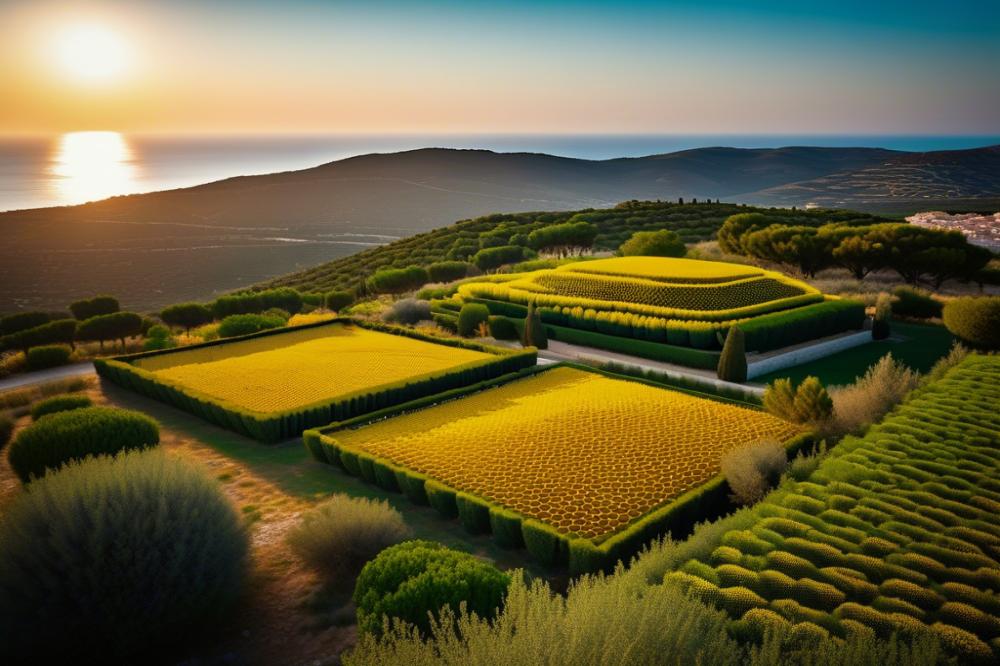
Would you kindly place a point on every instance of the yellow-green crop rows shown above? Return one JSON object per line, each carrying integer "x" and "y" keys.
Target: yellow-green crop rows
{"x": 897, "y": 531}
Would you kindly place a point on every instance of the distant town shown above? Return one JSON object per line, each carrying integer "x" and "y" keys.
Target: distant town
{"x": 981, "y": 230}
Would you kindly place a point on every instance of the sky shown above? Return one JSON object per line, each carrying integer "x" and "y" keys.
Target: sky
{"x": 726, "y": 66}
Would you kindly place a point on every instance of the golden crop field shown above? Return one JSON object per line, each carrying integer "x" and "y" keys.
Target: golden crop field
{"x": 280, "y": 372}
{"x": 582, "y": 452}
{"x": 666, "y": 269}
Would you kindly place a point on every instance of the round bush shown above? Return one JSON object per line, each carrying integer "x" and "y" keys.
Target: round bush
{"x": 408, "y": 311}
{"x": 59, "y": 403}
{"x": 65, "y": 436}
{"x": 48, "y": 356}
{"x": 245, "y": 324}
{"x": 470, "y": 317}
{"x": 412, "y": 579}
{"x": 975, "y": 320}
{"x": 111, "y": 557}
{"x": 340, "y": 535}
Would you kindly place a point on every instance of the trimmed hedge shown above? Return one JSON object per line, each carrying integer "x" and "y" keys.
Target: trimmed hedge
{"x": 692, "y": 358}
{"x": 59, "y": 403}
{"x": 976, "y": 321}
{"x": 48, "y": 356}
{"x": 511, "y": 529}
{"x": 244, "y": 324}
{"x": 58, "y": 331}
{"x": 502, "y": 328}
{"x": 53, "y": 441}
{"x": 470, "y": 317}
{"x": 791, "y": 327}
{"x": 275, "y": 426}
{"x": 915, "y": 303}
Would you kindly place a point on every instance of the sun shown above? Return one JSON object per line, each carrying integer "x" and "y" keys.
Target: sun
{"x": 91, "y": 53}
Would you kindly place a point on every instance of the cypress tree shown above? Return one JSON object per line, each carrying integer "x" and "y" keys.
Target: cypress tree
{"x": 534, "y": 331}
{"x": 733, "y": 360}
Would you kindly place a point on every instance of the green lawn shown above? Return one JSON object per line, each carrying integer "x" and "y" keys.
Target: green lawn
{"x": 916, "y": 345}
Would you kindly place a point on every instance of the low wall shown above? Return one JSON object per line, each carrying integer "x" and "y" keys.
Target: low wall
{"x": 806, "y": 353}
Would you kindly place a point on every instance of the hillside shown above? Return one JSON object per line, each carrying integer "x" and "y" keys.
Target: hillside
{"x": 157, "y": 248}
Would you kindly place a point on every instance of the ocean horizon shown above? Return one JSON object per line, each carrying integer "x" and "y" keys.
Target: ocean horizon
{"x": 77, "y": 167}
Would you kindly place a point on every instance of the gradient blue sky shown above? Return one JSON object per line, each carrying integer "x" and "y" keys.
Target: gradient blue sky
{"x": 674, "y": 67}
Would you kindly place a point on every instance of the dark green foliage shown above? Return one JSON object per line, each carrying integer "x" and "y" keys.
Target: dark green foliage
{"x": 809, "y": 403}
{"x": 22, "y": 321}
{"x": 448, "y": 271}
{"x": 473, "y": 513}
{"x": 48, "y": 356}
{"x": 244, "y": 324}
{"x": 807, "y": 248}
{"x": 470, "y": 317}
{"x": 790, "y": 327}
{"x": 337, "y": 300}
{"x": 442, "y": 499}
{"x": 976, "y": 321}
{"x": 662, "y": 243}
{"x": 881, "y": 322}
{"x": 915, "y": 303}
{"x": 544, "y": 543}
{"x": 564, "y": 239}
{"x": 495, "y": 257}
{"x": 6, "y": 429}
{"x": 250, "y": 302}
{"x": 114, "y": 560}
{"x": 59, "y": 403}
{"x": 502, "y": 328}
{"x": 398, "y": 280}
{"x": 415, "y": 579}
{"x": 114, "y": 326}
{"x": 506, "y": 528}
{"x": 694, "y": 358}
{"x": 187, "y": 315}
{"x": 733, "y": 360}
{"x": 53, "y": 441}
{"x": 58, "y": 331}
{"x": 94, "y": 307}
{"x": 408, "y": 311}
{"x": 158, "y": 337}
{"x": 534, "y": 331}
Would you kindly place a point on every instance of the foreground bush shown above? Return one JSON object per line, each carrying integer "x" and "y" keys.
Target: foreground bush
{"x": 91, "y": 431}
{"x": 415, "y": 579}
{"x": 752, "y": 470}
{"x": 48, "y": 356}
{"x": 340, "y": 535}
{"x": 245, "y": 324}
{"x": 868, "y": 399}
{"x": 809, "y": 403}
{"x": 59, "y": 403}
{"x": 88, "y": 574}
{"x": 975, "y": 320}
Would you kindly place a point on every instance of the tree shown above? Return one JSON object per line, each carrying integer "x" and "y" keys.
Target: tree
{"x": 733, "y": 360}
{"x": 114, "y": 326}
{"x": 186, "y": 315}
{"x": 60, "y": 330}
{"x": 564, "y": 239}
{"x": 448, "y": 271}
{"x": 801, "y": 246}
{"x": 92, "y": 307}
{"x": 779, "y": 399}
{"x": 337, "y": 300}
{"x": 534, "y": 330}
{"x": 861, "y": 254}
{"x": 662, "y": 243}
{"x": 731, "y": 232}
{"x": 495, "y": 257}
{"x": 22, "y": 321}
{"x": 398, "y": 280}
{"x": 812, "y": 403}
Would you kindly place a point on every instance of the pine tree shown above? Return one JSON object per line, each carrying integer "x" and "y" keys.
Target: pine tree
{"x": 812, "y": 403}
{"x": 779, "y": 399}
{"x": 733, "y": 360}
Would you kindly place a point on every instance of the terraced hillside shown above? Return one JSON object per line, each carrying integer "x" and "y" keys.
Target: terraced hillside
{"x": 897, "y": 531}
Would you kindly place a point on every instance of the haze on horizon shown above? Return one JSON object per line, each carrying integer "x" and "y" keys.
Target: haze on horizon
{"x": 675, "y": 67}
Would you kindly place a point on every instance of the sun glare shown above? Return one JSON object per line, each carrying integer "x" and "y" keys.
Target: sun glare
{"x": 91, "y": 52}
{"x": 92, "y": 165}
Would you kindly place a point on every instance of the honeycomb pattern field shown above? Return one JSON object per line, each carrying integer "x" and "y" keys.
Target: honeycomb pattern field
{"x": 582, "y": 452}
{"x": 280, "y": 372}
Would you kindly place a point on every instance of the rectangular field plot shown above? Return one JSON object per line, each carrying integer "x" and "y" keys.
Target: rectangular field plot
{"x": 308, "y": 375}
{"x": 582, "y": 453}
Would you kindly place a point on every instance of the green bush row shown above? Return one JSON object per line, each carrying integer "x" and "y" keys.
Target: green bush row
{"x": 692, "y": 358}
{"x": 791, "y": 327}
{"x": 275, "y": 426}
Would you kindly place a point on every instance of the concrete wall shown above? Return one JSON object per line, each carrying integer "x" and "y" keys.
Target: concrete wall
{"x": 806, "y": 354}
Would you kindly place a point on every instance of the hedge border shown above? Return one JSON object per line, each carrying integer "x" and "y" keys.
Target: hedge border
{"x": 279, "y": 425}
{"x": 511, "y": 529}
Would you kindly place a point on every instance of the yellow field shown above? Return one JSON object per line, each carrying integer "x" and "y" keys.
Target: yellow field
{"x": 582, "y": 452}
{"x": 280, "y": 372}
{"x": 665, "y": 269}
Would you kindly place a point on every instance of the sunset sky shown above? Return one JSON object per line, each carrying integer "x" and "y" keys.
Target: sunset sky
{"x": 673, "y": 67}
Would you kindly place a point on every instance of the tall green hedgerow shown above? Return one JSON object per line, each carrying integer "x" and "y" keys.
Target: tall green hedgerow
{"x": 114, "y": 558}
{"x": 414, "y": 580}
{"x": 59, "y": 403}
{"x": 340, "y": 535}
{"x": 59, "y": 438}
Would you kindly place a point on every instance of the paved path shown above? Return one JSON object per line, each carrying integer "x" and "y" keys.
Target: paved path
{"x": 42, "y": 376}
{"x": 562, "y": 351}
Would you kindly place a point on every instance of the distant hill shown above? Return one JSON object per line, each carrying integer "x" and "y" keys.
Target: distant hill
{"x": 154, "y": 249}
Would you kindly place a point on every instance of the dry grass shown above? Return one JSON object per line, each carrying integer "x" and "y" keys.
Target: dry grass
{"x": 867, "y": 400}
{"x": 751, "y": 470}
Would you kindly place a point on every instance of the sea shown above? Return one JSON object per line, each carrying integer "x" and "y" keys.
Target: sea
{"x": 77, "y": 167}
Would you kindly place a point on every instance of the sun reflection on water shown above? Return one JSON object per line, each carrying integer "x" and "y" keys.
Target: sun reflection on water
{"x": 92, "y": 165}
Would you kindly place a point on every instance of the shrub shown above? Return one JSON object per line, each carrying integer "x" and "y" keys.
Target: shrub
{"x": 337, "y": 300}
{"x": 187, "y": 315}
{"x": 662, "y": 243}
{"x": 868, "y": 399}
{"x": 245, "y": 324}
{"x": 812, "y": 403}
{"x": 751, "y": 470}
{"x": 48, "y": 356}
{"x": 881, "y": 327}
{"x": 448, "y": 271}
{"x": 158, "y": 337}
{"x": 408, "y": 311}
{"x": 534, "y": 331}
{"x": 6, "y": 429}
{"x": 340, "y": 535}
{"x": 915, "y": 303}
{"x": 71, "y": 435}
{"x": 470, "y": 317}
{"x": 502, "y": 328}
{"x": 59, "y": 403}
{"x": 94, "y": 307}
{"x": 397, "y": 280}
{"x": 733, "y": 360}
{"x": 88, "y": 574}
{"x": 494, "y": 257}
{"x": 411, "y": 580}
{"x": 976, "y": 321}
